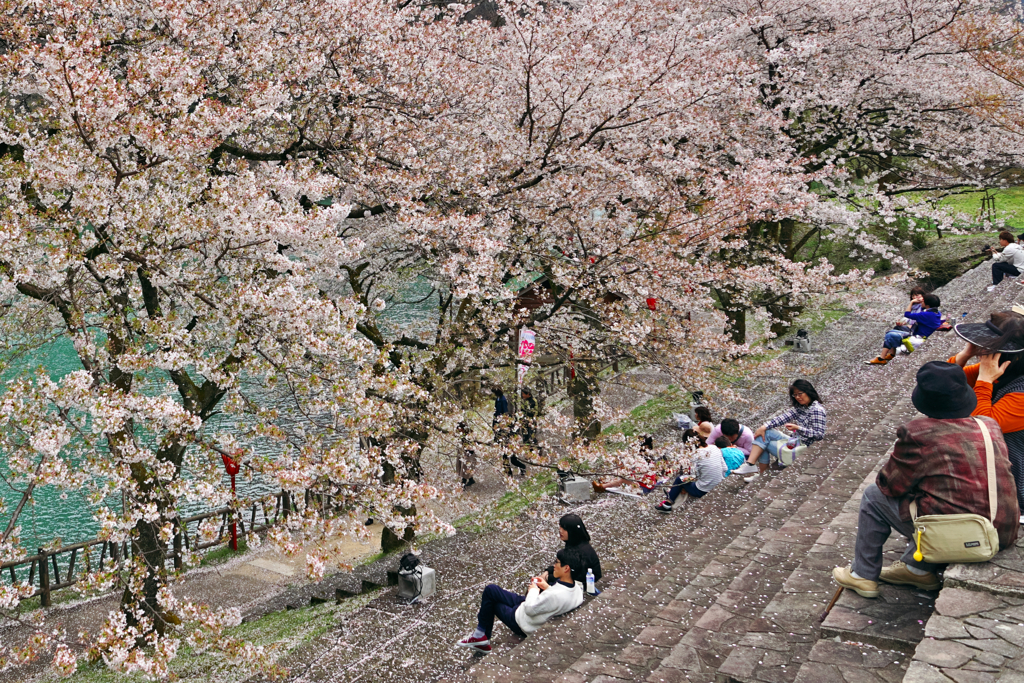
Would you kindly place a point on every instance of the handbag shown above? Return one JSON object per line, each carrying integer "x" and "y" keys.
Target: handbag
{"x": 942, "y": 539}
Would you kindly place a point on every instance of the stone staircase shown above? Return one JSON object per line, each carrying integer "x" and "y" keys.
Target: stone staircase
{"x": 728, "y": 588}
{"x": 739, "y": 596}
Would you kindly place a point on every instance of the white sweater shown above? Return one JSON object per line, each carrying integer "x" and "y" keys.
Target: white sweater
{"x": 542, "y": 605}
{"x": 1013, "y": 254}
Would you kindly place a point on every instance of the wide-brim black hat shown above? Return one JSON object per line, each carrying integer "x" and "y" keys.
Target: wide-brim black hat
{"x": 942, "y": 391}
{"x": 985, "y": 335}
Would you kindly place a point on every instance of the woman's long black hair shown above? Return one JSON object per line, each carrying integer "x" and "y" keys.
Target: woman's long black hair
{"x": 1012, "y": 325}
{"x": 573, "y": 525}
{"x": 806, "y": 387}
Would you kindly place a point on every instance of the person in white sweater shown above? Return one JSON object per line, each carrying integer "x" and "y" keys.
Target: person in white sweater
{"x": 1009, "y": 261}
{"x": 524, "y": 614}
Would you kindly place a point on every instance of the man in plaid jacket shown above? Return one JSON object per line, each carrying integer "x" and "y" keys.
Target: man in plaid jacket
{"x": 939, "y": 461}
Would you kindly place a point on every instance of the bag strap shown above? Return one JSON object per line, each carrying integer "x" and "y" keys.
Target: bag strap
{"x": 990, "y": 465}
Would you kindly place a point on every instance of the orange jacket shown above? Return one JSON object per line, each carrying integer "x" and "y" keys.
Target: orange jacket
{"x": 1008, "y": 411}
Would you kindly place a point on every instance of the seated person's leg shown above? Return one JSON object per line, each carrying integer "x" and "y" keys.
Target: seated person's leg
{"x": 496, "y": 602}
{"x": 677, "y": 488}
{"x": 763, "y": 448}
{"x": 873, "y": 530}
{"x": 893, "y": 340}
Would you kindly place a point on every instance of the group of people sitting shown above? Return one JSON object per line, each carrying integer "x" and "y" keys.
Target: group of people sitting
{"x": 939, "y": 462}
{"x": 920, "y": 320}
{"x": 730, "y": 447}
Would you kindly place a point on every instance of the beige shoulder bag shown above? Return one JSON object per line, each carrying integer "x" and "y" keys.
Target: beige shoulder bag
{"x": 942, "y": 539}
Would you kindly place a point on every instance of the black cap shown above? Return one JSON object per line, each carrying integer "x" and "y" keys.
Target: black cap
{"x": 985, "y": 335}
{"x": 942, "y": 391}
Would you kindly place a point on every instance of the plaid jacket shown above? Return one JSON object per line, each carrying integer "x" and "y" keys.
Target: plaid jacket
{"x": 811, "y": 420}
{"x": 941, "y": 463}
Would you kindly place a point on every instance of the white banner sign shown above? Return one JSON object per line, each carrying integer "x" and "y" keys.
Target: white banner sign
{"x": 527, "y": 343}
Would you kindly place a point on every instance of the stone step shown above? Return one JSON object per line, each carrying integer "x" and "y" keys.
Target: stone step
{"x": 895, "y": 620}
{"x": 689, "y": 636}
{"x": 974, "y": 635}
{"x": 778, "y": 647}
{"x": 833, "y": 661}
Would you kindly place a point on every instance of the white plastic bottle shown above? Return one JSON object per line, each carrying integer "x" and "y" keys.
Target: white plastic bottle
{"x": 590, "y": 580}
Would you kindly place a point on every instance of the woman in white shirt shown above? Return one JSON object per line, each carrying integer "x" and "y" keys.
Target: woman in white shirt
{"x": 1009, "y": 261}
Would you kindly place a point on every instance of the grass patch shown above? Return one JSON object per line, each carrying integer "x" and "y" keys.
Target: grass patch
{"x": 1009, "y": 205}
{"x": 529, "y": 491}
{"x": 652, "y": 414}
{"x": 223, "y": 554}
{"x": 282, "y": 632}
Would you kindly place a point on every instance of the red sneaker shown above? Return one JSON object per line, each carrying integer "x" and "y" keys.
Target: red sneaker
{"x": 481, "y": 644}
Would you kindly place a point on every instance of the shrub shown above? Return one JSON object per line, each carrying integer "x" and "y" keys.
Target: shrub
{"x": 940, "y": 269}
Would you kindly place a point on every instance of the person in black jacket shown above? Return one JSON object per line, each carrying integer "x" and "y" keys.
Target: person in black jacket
{"x": 572, "y": 530}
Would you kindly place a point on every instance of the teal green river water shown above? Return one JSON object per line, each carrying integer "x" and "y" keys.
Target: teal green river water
{"x": 68, "y": 515}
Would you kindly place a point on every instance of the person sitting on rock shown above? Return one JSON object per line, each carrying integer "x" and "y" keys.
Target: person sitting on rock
{"x": 998, "y": 380}
{"x": 939, "y": 462}
{"x": 739, "y": 435}
{"x": 707, "y": 470}
{"x": 1008, "y": 261}
{"x": 806, "y": 421}
{"x": 524, "y": 614}
{"x": 926, "y": 321}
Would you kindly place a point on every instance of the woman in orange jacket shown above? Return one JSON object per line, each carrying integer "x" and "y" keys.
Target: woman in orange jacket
{"x": 998, "y": 380}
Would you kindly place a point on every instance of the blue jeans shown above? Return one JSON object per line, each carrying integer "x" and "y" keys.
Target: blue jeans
{"x": 498, "y": 602}
{"x": 678, "y": 487}
{"x": 894, "y": 339}
{"x": 772, "y": 442}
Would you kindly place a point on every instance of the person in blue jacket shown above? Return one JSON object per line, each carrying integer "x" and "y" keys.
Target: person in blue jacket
{"x": 926, "y": 321}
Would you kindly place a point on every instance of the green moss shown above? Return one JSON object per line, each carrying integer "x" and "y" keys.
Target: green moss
{"x": 222, "y": 554}
{"x": 529, "y": 491}
{"x": 280, "y": 632}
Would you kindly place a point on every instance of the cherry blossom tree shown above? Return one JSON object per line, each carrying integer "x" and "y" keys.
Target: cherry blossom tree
{"x": 872, "y": 96}
{"x": 225, "y": 206}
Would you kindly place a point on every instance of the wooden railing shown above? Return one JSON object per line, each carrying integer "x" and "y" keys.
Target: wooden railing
{"x": 88, "y": 556}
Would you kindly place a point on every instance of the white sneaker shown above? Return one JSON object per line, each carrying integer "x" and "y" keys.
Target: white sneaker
{"x": 991, "y": 288}
{"x": 746, "y": 468}
{"x": 751, "y": 478}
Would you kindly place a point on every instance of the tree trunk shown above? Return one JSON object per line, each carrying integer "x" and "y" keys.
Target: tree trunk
{"x": 737, "y": 315}
{"x": 784, "y": 315}
{"x": 389, "y": 540}
{"x": 147, "y": 548}
{"x": 582, "y": 389}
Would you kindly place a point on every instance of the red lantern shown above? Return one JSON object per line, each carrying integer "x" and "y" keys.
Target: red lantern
{"x": 652, "y": 303}
{"x": 232, "y": 468}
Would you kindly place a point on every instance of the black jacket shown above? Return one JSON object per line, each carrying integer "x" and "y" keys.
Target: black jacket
{"x": 590, "y": 558}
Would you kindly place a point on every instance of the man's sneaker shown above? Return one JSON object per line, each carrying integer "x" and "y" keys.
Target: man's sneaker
{"x": 991, "y": 288}
{"x": 746, "y": 468}
{"x": 481, "y": 644}
{"x": 908, "y": 346}
{"x": 751, "y": 478}
{"x": 898, "y": 575}
{"x": 877, "y": 360}
{"x": 664, "y": 506}
{"x": 862, "y": 587}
